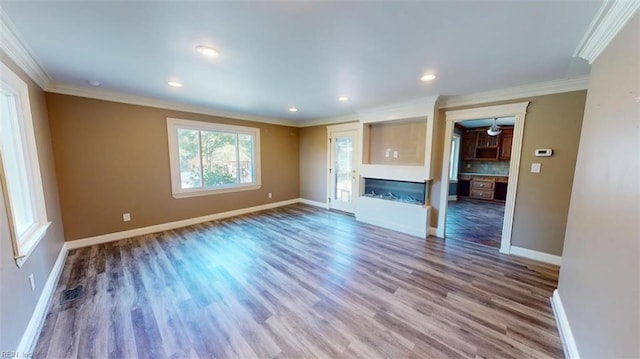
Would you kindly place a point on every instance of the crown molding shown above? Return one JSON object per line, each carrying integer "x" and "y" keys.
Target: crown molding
{"x": 329, "y": 120}
{"x": 420, "y": 106}
{"x": 611, "y": 17}
{"x": 107, "y": 95}
{"x": 512, "y": 93}
{"x": 13, "y": 45}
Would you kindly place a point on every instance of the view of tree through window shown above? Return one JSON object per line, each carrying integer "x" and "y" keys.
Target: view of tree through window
{"x": 212, "y": 158}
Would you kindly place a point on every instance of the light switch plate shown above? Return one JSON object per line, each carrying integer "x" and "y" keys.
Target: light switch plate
{"x": 126, "y": 217}
{"x": 535, "y": 167}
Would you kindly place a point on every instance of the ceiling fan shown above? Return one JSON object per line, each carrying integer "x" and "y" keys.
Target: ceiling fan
{"x": 494, "y": 130}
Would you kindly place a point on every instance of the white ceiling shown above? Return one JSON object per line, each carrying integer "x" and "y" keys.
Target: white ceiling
{"x": 275, "y": 55}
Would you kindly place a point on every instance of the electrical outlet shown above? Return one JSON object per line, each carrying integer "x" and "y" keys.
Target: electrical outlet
{"x": 395, "y": 154}
{"x": 126, "y": 217}
{"x": 32, "y": 281}
{"x": 270, "y": 195}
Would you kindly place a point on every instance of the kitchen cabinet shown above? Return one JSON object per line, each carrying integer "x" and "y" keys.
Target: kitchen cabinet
{"x": 506, "y": 138}
{"x": 478, "y": 145}
{"x": 469, "y": 145}
{"x": 482, "y": 188}
{"x": 488, "y": 188}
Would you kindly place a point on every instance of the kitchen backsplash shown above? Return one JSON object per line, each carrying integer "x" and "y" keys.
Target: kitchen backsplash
{"x": 486, "y": 167}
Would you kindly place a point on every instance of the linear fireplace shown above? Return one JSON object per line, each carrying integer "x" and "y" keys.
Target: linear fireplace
{"x": 394, "y": 190}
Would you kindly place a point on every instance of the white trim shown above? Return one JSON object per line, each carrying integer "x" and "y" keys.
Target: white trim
{"x": 536, "y": 255}
{"x": 518, "y": 110}
{"x": 26, "y": 148}
{"x": 611, "y": 17}
{"x": 518, "y": 92}
{"x": 566, "y": 335}
{"x": 324, "y": 205}
{"x": 174, "y": 124}
{"x": 416, "y": 108}
{"x": 16, "y": 48}
{"x": 121, "y": 97}
{"x": 110, "y": 237}
{"x": 452, "y": 197}
{"x": 329, "y": 120}
{"x": 30, "y": 335}
{"x": 357, "y": 158}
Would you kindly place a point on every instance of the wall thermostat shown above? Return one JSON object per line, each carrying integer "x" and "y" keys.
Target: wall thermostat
{"x": 544, "y": 152}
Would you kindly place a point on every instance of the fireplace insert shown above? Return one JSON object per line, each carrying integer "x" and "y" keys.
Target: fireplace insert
{"x": 393, "y": 190}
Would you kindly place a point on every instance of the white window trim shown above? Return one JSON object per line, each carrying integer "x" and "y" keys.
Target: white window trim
{"x": 24, "y": 245}
{"x": 173, "y": 124}
{"x": 455, "y": 142}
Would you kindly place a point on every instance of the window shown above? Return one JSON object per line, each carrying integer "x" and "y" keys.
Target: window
{"x": 455, "y": 157}
{"x": 208, "y": 158}
{"x": 19, "y": 168}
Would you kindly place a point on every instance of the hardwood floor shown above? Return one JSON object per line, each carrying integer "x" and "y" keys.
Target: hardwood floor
{"x": 299, "y": 282}
{"x": 475, "y": 221}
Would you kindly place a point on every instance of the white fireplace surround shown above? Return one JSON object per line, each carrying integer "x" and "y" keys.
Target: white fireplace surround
{"x": 403, "y": 217}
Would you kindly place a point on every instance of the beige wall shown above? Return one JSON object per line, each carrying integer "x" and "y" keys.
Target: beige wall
{"x": 600, "y": 275}
{"x": 313, "y": 163}
{"x": 17, "y": 301}
{"x": 542, "y": 203}
{"x": 113, "y": 158}
{"x": 406, "y": 138}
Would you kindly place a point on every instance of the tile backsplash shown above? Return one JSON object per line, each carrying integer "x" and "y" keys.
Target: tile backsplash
{"x": 486, "y": 167}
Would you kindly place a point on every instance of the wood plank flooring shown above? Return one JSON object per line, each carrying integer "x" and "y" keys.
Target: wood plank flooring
{"x": 475, "y": 221}
{"x": 299, "y": 282}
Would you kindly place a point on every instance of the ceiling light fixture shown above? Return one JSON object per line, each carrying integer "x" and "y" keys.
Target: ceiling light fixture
{"x": 207, "y": 51}
{"x": 293, "y": 109}
{"x": 428, "y": 77}
{"x": 494, "y": 130}
{"x": 94, "y": 83}
{"x": 343, "y": 99}
{"x": 174, "y": 84}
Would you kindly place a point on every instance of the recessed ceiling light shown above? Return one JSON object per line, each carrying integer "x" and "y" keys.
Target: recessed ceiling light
{"x": 94, "y": 83}
{"x": 428, "y": 77}
{"x": 343, "y": 98}
{"x": 207, "y": 51}
{"x": 293, "y": 109}
{"x": 174, "y": 84}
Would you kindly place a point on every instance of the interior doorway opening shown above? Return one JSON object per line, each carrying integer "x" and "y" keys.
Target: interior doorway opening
{"x": 478, "y": 180}
{"x": 483, "y": 150}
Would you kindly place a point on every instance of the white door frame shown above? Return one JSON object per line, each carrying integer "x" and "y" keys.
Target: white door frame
{"x": 519, "y": 111}
{"x": 357, "y": 150}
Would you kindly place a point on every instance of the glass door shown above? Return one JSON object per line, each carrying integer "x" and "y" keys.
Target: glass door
{"x": 342, "y": 171}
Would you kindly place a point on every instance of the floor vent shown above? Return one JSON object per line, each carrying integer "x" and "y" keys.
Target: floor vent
{"x": 69, "y": 295}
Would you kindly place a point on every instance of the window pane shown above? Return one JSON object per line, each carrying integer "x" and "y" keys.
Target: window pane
{"x": 218, "y": 158}
{"x": 14, "y": 168}
{"x": 189, "y": 145}
{"x": 245, "y": 143}
{"x": 343, "y": 169}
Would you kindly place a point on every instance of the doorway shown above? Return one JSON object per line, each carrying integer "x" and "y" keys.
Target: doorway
{"x": 516, "y": 110}
{"x": 342, "y": 167}
{"x": 478, "y": 180}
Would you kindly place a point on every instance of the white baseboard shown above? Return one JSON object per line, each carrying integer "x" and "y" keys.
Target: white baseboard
{"x": 566, "y": 335}
{"x": 314, "y": 203}
{"x": 535, "y": 255}
{"x": 110, "y": 237}
{"x": 31, "y": 333}
{"x": 452, "y": 197}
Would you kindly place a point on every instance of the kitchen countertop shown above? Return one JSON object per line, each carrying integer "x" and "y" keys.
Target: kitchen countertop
{"x": 481, "y": 174}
